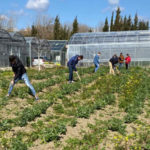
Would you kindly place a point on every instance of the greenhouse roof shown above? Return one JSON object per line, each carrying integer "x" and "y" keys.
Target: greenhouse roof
{"x": 32, "y": 40}
{"x": 110, "y": 37}
{"x": 57, "y": 45}
{"x": 44, "y": 44}
{"x": 17, "y": 37}
{"x": 5, "y": 36}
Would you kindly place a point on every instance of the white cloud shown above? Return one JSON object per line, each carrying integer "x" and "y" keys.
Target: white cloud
{"x": 115, "y": 8}
{"x": 113, "y": 2}
{"x": 17, "y": 12}
{"x": 38, "y": 5}
{"x": 110, "y": 8}
{"x": 4, "y": 17}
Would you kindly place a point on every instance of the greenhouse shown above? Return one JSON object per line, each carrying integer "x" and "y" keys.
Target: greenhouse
{"x": 135, "y": 43}
{"x": 18, "y": 46}
{"x": 11, "y": 44}
{"x": 5, "y": 47}
{"x": 44, "y": 48}
{"x": 36, "y": 47}
{"x": 58, "y": 51}
{"x": 32, "y": 48}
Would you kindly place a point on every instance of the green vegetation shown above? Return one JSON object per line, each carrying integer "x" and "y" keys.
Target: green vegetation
{"x": 101, "y": 111}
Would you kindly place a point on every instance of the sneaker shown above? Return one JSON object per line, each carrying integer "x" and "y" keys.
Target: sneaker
{"x": 36, "y": 98}
{"x": 7, "y": 95}
{"x": 72, "y": 81}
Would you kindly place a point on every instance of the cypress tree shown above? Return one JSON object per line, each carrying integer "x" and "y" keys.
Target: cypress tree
{"x": 33, "y": 31}
{"x": 106, "y": 26}
{"x": 125, "y": 25}
{"x": 112, "y": 22}
{"x": 135, "y": 26}
{"x": 147, "y": 25}
{"x": 90, "y": 30}
{"x": 56, "y": 28}
{"x": 129, "y": 23}
{"x": 117, "y": 26}
{"x": 75, "y": 26}
{"x": 121, "y": 24}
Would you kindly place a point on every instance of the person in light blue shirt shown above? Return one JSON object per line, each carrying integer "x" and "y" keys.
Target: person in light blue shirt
{"x": 97, "y": 61}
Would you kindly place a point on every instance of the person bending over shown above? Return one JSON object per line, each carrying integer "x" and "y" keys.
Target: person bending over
{"x": 72, "y": 65}
{"x": 112, "y": 64}
{"x": 19, "y": 74}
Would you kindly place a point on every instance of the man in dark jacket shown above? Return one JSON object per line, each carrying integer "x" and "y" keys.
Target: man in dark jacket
{"x": 96, "y": 61}
{"x": 112, "y": 64}
{"x": 72, "y": 66}
{"x": 19, "y": 74}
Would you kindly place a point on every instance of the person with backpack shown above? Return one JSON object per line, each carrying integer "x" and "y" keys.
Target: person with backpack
{"x": 72, "y": 66}
{"x": 96, "y": 61}
{"x": 20, "y": 73}
{"x": 121, "y": 60}
{"x": 127, "y": 61}
{"x": 112, "y": 64}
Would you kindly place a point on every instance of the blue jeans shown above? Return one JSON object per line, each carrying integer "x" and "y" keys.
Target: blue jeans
{"x": 27, "y": 82}
{"x": 70, "y": 73}
{"x": 96, "y": 67}
{"x": 120, "y": 65}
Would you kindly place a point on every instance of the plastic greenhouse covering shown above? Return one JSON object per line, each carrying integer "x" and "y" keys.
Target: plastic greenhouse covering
{"x": 135, "y": 43}
{"x": 58, "y": 51}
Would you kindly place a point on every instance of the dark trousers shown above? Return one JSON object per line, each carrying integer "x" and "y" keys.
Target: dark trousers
{"x": 70, "y": 73}
{"x": 127, "y": 66}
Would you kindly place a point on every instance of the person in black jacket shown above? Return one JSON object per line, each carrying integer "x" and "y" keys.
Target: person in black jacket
{"x": 19, "y": 74}
{"x": 112, "y": 64}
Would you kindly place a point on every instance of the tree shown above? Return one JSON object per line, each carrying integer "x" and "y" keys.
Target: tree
{"x": 90, "y": 30}
{"x": 75, "y": 26}
{"x": 57, "y": 28}
{"x": 135, "y": 26}
{"x": 112, "y": 22}
{"x": 64, "y": 32}
{"x": 44, "y": 26}
{"x": 33, "y": 31}
{"x": 106, "y": 26}
{"x": 117, "y": 26}
{"x": 125, "y": 25}
{"x": 7, "y": 23}
{"x": 129, "y": 23}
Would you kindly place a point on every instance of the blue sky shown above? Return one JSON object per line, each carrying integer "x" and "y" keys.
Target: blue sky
{"x": 90, "y": 12}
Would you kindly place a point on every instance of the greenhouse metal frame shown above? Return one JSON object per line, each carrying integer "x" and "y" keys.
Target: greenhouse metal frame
{"x": 11, "y": 44}
{"x": 135, "y": 43}
{"x": 58, "y": 51}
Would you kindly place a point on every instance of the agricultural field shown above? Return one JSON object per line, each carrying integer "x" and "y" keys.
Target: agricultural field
{"x": 100, "y": 112}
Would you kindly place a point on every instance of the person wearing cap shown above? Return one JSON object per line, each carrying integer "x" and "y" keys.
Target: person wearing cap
{"x": 72, "y": 66}
{"x": 112, "y": 64}
{"x": 96, "y": 61}
{"x": 20, "y": 73}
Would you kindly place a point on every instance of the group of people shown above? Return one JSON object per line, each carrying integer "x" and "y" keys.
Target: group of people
{"x": 113, "y": 62}
{"x": 21, "y": 74}
{"x": 121, "y": 60}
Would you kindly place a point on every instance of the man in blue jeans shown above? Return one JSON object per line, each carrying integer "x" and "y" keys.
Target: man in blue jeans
{"x": 72, "y": 65}
{"x": 20, "y": 74}
{"x": 96, "y": 61}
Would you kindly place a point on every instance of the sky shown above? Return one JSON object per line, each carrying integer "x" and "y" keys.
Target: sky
{"x": 90, "y": 12}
